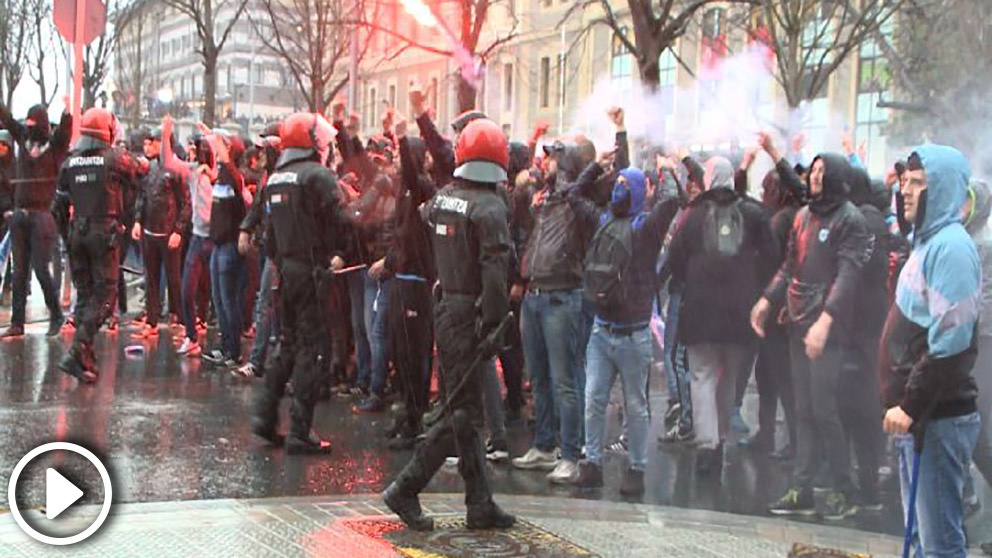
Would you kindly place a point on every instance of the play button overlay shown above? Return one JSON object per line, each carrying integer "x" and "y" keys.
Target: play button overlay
{"x": 61, "y": 494}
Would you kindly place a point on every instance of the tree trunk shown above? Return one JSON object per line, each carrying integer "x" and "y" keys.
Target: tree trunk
{"x": 466, "y": 94}
{"x": 89, "y": 97}
{"x": 316, "y": 94}
{"x": 650, "y": 74}
{"x": 209, "y": 115}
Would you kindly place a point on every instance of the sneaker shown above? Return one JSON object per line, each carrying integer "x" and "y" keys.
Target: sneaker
{"x": 633, "y": 482}
{"x": 536, "y": 459}
{"x": 869, "y": 503}
{"x": 189, "y": 348}
{"x": 497, "y": 451}
{"x": 838, "y": 506}
{"x": 672, "y": 414}
{"x": 15, "y": 331}
{"x": 590, "y": 475}
{"x": 972, "y": 505}
{"x": 215, "y": 357}
{"x": 794, "y": 502}
{"x": 619, "y": 447}
{"x": 678, "y": 434}
{"x": 373, "y": 404}
{"x": 146, "y": 332}
{"x": 246, "y": 371}
{"x": 737, "y": 423}
{"x": 564, "y": 472}
{"x": 760, "y": 442}
{"x": 232, "y": 363}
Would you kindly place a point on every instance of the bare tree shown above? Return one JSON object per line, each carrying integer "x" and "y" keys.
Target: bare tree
{"x": 464, "y": 45}
{"x": 44, "y": 48}
{"x": 656, "y": 26}
{"x": 941, "y": 65}
{"x": 313, "y": 37}
{"x": 16, "y": 36}
{"x": 131, "y": 72}
{"x": 812, "y": 38}
{"x": 97, "y": 55}
{"x": 213, "y": 33}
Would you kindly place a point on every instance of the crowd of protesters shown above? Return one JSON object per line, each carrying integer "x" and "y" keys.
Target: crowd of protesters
{"x": 858, "y": 304}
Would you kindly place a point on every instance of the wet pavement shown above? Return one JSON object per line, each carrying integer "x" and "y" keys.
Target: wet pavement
{"x": 174, "y": 429}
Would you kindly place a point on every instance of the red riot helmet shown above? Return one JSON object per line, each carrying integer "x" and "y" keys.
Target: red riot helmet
{"x": 481, "y": 152}
{"x": 99, "y": 123}
{"x": 305, "y": 131}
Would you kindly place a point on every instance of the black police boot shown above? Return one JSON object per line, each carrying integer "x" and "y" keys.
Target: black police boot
{"x": 265, "y": 417}
{"x": 407, "y": 507}
{"x": 488, "y": 516}
{"x": 300, "y": 440}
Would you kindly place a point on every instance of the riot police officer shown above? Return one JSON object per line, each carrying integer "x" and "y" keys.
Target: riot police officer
{"x": 303, "y": 238}
{"x": 91, "y": 181}
{"x": 471, "y": 239}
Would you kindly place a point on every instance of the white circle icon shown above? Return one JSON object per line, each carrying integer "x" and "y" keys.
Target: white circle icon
{"x": 50, "y": 496}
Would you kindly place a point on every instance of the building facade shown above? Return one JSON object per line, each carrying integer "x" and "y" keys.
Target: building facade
{"x": 560, "y": 70}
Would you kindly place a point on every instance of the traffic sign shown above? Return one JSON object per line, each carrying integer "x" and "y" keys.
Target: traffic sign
{"x": 94, "y": 19}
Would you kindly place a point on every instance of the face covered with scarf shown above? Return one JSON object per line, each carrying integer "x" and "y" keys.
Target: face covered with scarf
{"x": 629, "y": 193}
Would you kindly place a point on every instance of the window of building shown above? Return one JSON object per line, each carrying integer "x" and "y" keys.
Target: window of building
{"x": 667, "y": 67}
{"x": 621, "y": 64}
{"x": 259, "y": 74}
{"x": 874, "y": 80}
{"x": 508, "y": 87}
{"x": 714, "y": 37}
{"x": 392, "y": 96}
{"x": 545, "y": 90}
{"x": 373, "y": 105}
{"x": 560, "y": 76}
{"x": 818, "y": 36}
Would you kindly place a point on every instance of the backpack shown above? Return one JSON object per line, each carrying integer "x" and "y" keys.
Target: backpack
{"x": 607, "y": 263}
{"x": 723, "y": 229}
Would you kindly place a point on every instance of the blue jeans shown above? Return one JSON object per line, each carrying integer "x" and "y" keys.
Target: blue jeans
{"x": 225, "y": 280}
{"x": 377, "y": 299}
{"x": 264, "y": 314}
{"x": 197, "y": 263}
{"x": 676, "y": 373}
{"x": 944, "y": 463}
{"x": 356, "y": 289}
{"x": 607, "y": 356}
{"x": 550, "y": 325}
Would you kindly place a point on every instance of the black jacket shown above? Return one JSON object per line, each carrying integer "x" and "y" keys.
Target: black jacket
{"x": 41, "y": 155}
{"x": 828, "y": 247}
{"x": 163, "y": 205}
{"x": 647, "y": 238}
{"x": 93, "y": 180}
{"x": 411, "y": 252}
{"x": 227, "y": 206}
{"x": 304, "y": 221}
{"x": 719, "y": 290}
{"x": 472, "y": 246}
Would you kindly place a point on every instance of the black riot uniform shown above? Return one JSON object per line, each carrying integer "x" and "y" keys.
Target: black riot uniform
{"x": 471, "y": 241}
{"x": 302, "y": 236}
{"x": 91, "y": 181}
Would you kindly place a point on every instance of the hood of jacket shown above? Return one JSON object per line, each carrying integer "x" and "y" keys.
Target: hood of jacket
{"x": 836, "y": 175}
{"x": 719, "y": 173}
{"x": 42, "y": 128}
{"x": 8, "y": 140}
{"x": 948, "y": 174}
{"x": 629, "y": 193}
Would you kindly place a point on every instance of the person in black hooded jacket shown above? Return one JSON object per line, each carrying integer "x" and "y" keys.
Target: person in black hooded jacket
{"x": 410, "y": 260}
{"x": 860, "y": 399}
{"x": 32, "y": 227}
{"x": 828, "y": 248}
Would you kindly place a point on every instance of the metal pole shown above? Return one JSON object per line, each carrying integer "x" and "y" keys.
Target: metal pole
{"x": 353, "y": 71}
{"x": 561, "y": 84}
{"x": 77, "y": 86}
{"x": 251, "y": 88}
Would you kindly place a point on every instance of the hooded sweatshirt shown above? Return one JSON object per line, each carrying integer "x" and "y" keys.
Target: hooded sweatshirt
{"x": 828, "y": 246}
{"x": 41, "y": 154}
{"x": 719, "y": 289}
{"x": 930, "y": 341}
{"x": 648, "y": 235}
{"x": 411, "y": 252}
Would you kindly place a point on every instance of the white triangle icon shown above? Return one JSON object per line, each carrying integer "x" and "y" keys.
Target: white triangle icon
{"x": 59, "y": 493}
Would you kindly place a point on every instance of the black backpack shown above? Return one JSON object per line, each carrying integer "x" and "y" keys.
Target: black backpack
{"x": 608, "y": 261}
{"x": 723, "y": 229}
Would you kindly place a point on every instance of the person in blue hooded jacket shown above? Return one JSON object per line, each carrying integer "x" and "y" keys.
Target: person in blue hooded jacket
{"x": 929, "y": 347}
{"x": 620, "y": 343}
